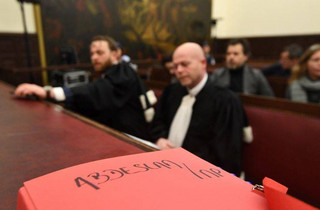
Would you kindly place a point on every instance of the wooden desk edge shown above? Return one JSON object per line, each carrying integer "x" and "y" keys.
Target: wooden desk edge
{"x": 102, "y": 127}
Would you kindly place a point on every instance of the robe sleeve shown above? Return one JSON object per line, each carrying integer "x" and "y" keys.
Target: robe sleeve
{"x": 160, "y": 127}
{"x": 226, "y": 144}
{"x": 101, "y": 95}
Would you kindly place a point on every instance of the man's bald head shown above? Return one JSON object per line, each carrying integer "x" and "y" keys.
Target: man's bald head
{"x": 192, "y": 49}
{"x": 190, "y": 63}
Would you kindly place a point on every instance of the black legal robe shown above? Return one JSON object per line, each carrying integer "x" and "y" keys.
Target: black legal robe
{"x": 215, "y": 130}
{"x": 112, "y": 100}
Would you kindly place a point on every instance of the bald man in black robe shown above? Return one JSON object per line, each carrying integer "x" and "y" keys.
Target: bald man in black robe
{"x": 214, "y": 132}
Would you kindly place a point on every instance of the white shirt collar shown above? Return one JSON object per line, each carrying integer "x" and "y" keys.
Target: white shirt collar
{"x": 194, "y": 91}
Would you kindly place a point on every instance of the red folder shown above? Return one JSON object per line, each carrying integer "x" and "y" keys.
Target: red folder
{"x": 169, "y": 179}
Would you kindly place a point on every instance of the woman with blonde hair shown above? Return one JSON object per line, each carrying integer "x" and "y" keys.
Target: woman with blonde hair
{"x": 304, "y": 84}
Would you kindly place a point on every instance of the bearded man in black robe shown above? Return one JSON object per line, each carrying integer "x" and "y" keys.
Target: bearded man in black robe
{"x": 213, "y": 130}
{"x": 112, "y": 99}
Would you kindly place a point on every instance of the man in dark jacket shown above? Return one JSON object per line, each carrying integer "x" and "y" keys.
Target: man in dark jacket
{"x": 237, "y": 75}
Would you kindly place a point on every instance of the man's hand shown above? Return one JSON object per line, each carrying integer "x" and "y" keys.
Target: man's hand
{"x": 24, "y": 90}
{"x": 163, "y": 143}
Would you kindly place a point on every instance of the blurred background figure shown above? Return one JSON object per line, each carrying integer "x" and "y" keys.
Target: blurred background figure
{"x": 237, "y": 75}
{"x": 125, "y": 58}
{"x": 207, "y": 49}
{"x": 289, "y": 57}
{"x": 168, "y": 64}
{"x": 121, "y": 56}
{"x": 305, "y": 80}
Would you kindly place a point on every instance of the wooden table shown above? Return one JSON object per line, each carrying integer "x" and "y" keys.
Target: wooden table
{"x": 38, "y": 137}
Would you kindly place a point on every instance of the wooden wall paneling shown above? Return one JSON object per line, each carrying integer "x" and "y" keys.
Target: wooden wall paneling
{"x": 13, "y": 50}
{"x": 13, "y": 55}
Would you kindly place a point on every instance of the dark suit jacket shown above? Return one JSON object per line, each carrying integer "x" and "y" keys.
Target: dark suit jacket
{"x": 215, "y": 131}
{"x": 253, "y": 81}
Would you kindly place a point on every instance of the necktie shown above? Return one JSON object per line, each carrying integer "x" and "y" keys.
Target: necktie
{"x": 181, "y": 121}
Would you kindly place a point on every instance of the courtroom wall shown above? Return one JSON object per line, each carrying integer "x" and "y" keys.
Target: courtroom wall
{"x": 256, "y": 18}
{"x": 12, "y": 39}
{"x": 11, "y": 17}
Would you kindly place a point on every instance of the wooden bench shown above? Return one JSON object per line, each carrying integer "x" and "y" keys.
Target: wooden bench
{"x": 144, "y": 73}
{"x": 260, "y": 64}
{"x": 279, "y": 85}
{"x": 160, "y": 74}
{"x": 145, "y": 63}
{"x": 286, "y": 145}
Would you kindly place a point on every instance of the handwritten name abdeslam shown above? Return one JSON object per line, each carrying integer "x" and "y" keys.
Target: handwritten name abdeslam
{"x": 98, "y": 178}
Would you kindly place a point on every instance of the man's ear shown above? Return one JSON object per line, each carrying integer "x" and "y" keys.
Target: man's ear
{"x": 204, "y": 63}
{"x": 114, "y": 56}
{"x": 247, "y": 58}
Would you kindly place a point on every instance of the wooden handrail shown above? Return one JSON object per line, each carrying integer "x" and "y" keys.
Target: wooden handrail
{"x": 308, "y": 109}
{"x": 49, "y": 68}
